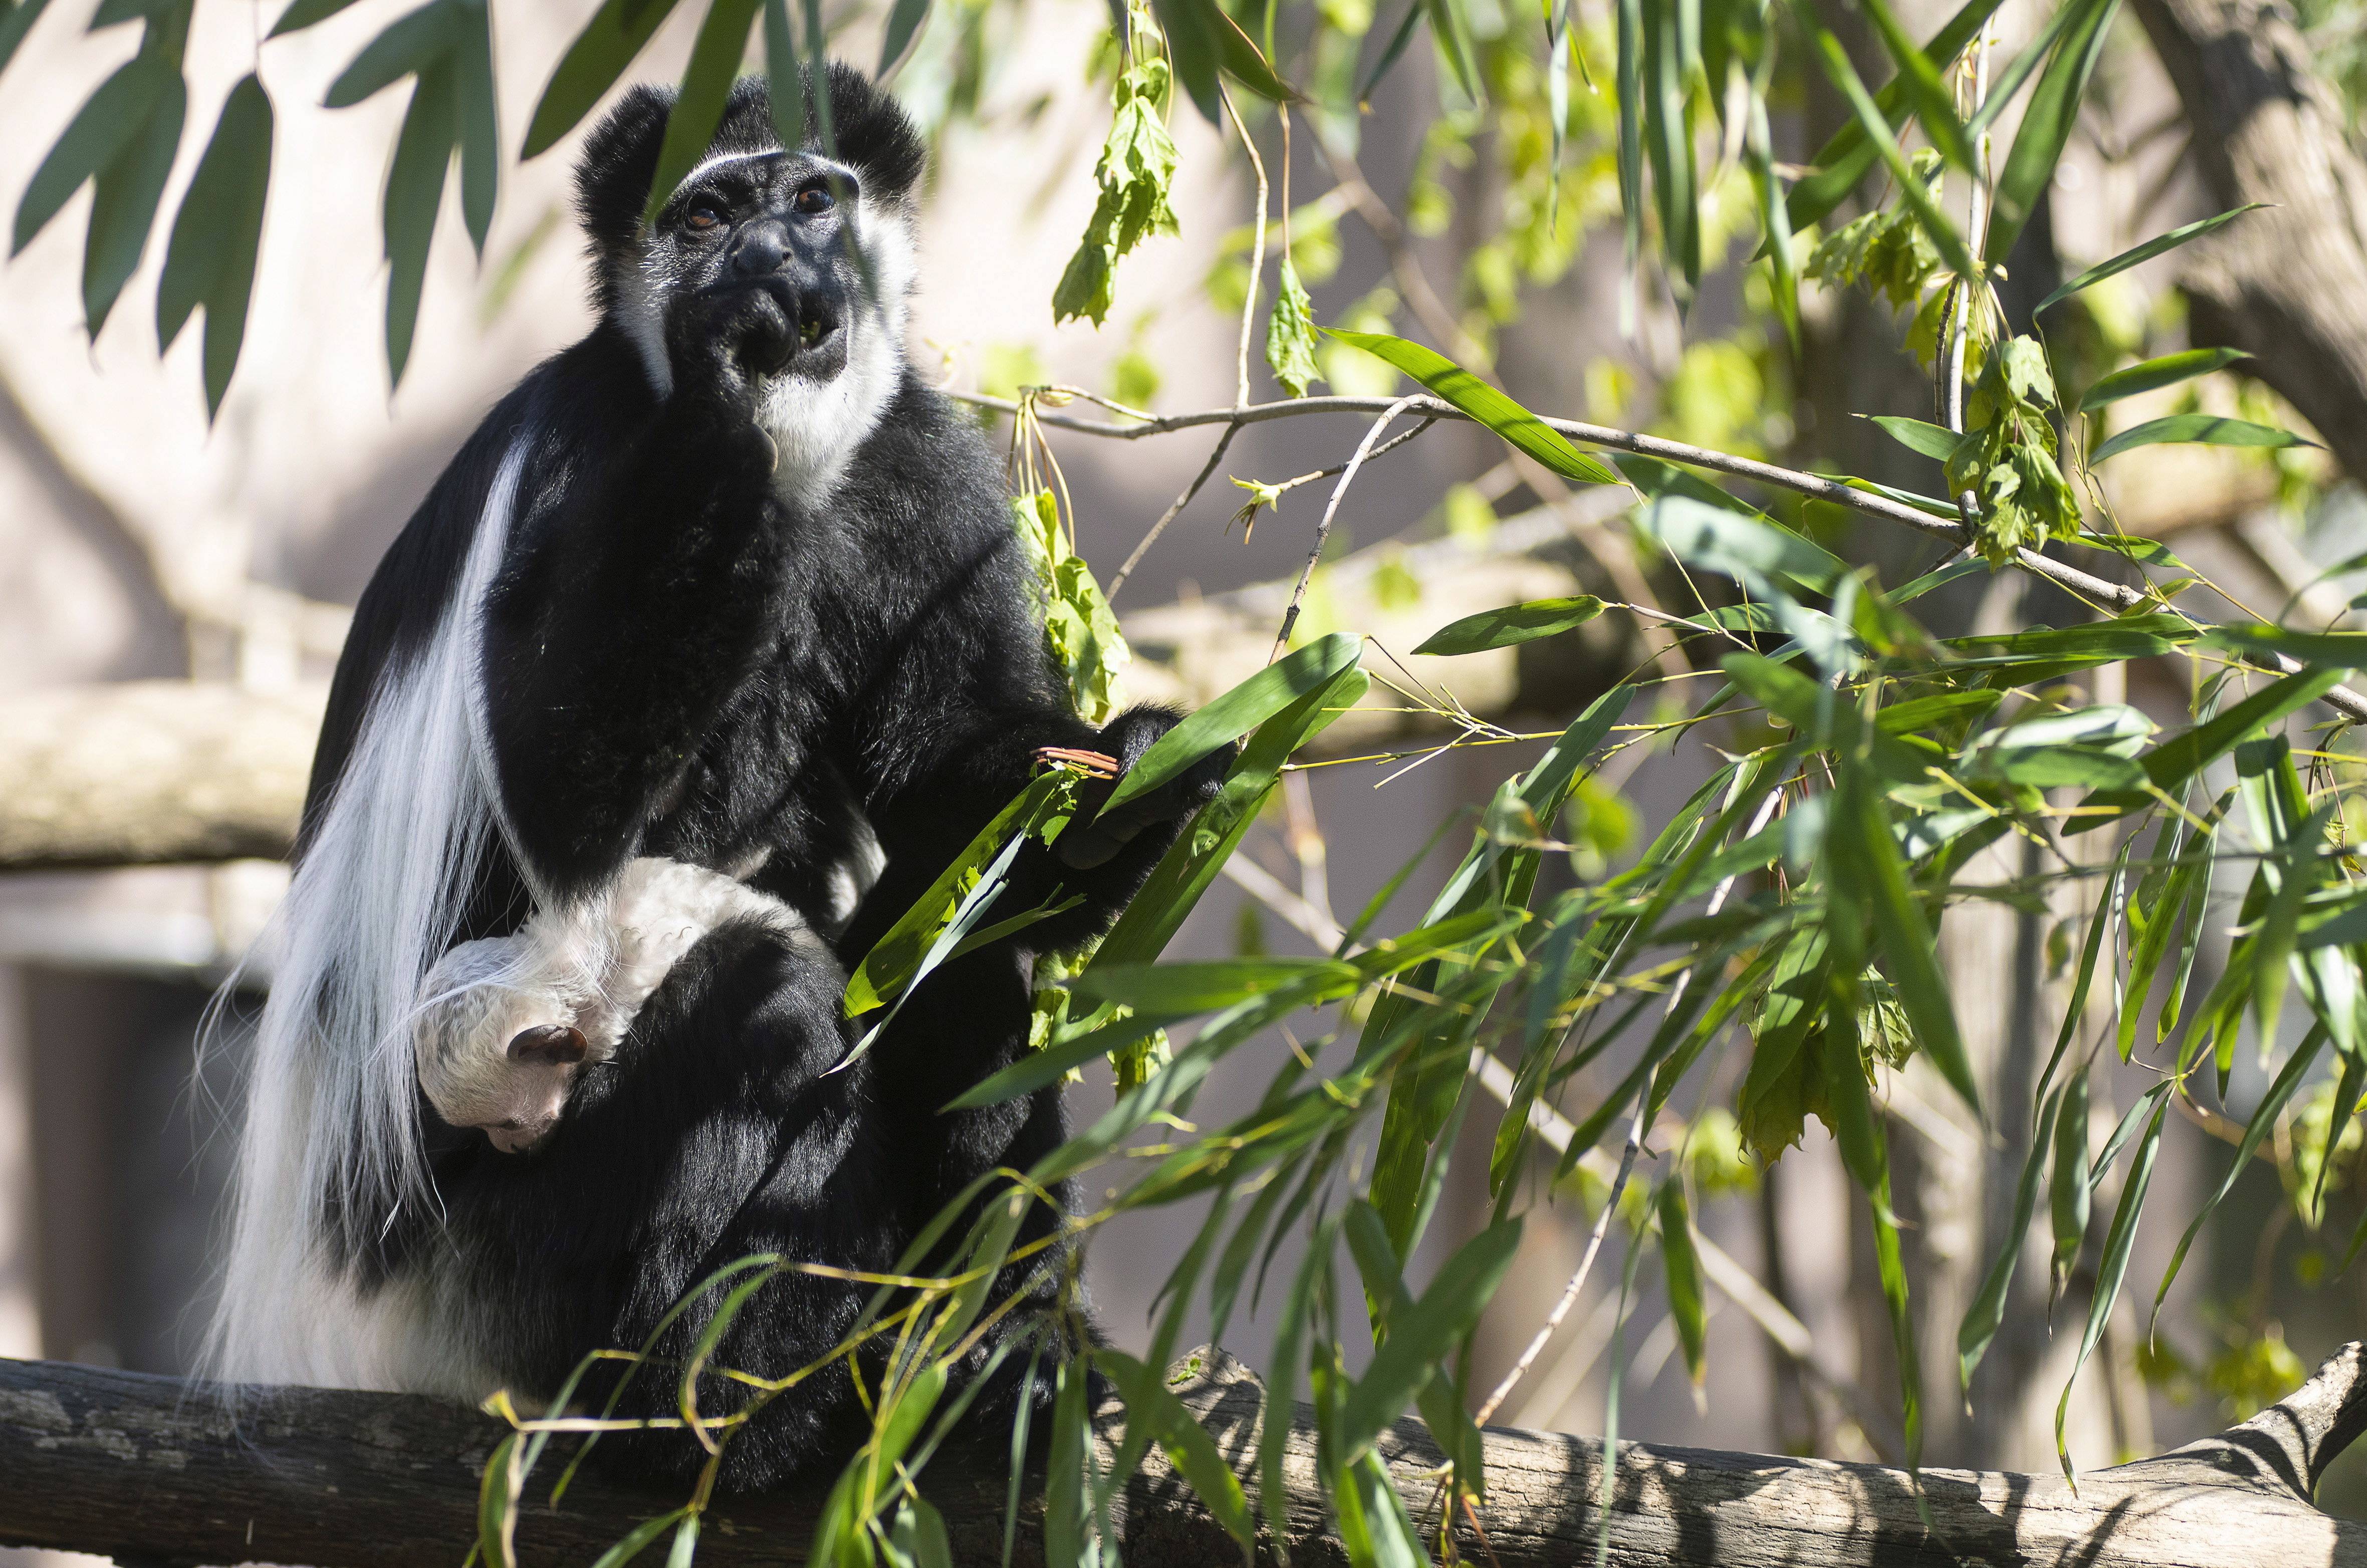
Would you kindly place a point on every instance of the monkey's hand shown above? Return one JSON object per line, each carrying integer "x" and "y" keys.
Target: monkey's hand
{"x": 1094, "y": 835}
{"x": 722, "y": 348}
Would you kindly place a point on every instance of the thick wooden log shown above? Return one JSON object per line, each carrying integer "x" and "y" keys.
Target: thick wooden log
{"x": 150, "y": 1469}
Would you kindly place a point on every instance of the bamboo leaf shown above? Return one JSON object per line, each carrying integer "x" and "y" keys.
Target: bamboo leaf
{"x": 1843, "y": 160}
{"x": 1837, "y": 66}
{"x": 302, "y": 14}
{"x": 124, "y": 196}
{"x": 1669, "y": 142}
{"x": 1483, "y": 403}
{"x": 784, "y": 78}
{"x": 2166, "y": 371}
{"x": 1933, "y": 104}
{"x": 411, "y": 45}
{"x": 1420, "y": 1336}
{"x": 1184, "y": 989}
{"x": 210, "y": 257}
{"x": 15, "y": 24}
{"x": 2179, "y": 758}
{"x": 697, "y": 110}
{"x": 2067, "y": 1187}
{"x": 638, "y": 1538}
{"x": 1683, "y": 1266}
{"x": 904, "y": 29}
{"x": 414, "y": 190}
{"x": 97, "y": 135}
{"x": 1396, "y": 47}
{"x": 1512, "y": 625}
{"x": 497, "y": 1497}
{"x": 1915, "y": 435}
{"x": 2046, "y": 124}
{"x": 1905, "y": 937}
{"x": 1987, "y": 1313}
{"x": 480, "y": 119}
{"x": 2113, "y": 1266}
{"x": 1448, "y": 30}
{"x": 1238, "y": 711}
{"x": 2144, "y": 253}
{"x": 590, "y": 66}
{"x": 1186, "y": 1441}
{"x": 2197, "y": 429}
{"x": 2264, "y": 1118}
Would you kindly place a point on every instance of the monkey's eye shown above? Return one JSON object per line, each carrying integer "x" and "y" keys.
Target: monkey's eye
{"x": 701, "y": 218}
{"x": 816, "y": 198}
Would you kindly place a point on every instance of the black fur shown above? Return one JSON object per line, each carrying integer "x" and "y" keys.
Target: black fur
{"x": 682, "y": 660}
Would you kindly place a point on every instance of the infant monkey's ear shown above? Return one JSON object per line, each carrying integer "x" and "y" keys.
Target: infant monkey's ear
{"x": 552, "y": 1045}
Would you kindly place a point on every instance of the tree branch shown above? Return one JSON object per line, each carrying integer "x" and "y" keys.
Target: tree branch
{"x": 138, "y": 1466}
{"x": 2288, "y": 285}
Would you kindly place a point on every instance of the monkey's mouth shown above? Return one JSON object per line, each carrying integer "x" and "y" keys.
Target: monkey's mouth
{"x": 780, "y": 332}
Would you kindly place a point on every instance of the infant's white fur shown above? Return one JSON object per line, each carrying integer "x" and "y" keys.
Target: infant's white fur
{"x": 503, "y": 1024}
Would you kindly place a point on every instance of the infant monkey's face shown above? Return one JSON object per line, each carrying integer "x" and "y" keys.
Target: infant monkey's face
{"x": 500, "y": 1039}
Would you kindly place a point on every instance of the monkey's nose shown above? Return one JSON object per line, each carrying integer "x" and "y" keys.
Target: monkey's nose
{"x": 556, "y": 1044}
{"x": 759, "y": 249}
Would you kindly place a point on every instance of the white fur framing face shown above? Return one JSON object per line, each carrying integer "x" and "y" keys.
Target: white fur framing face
{"x": 487, "y": 1006}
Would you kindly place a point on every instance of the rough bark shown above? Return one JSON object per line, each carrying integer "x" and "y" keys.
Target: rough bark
{"x": 2288, "y": 285}
{"x": 165, "y": 772}
{"x": 148, "y": 1468}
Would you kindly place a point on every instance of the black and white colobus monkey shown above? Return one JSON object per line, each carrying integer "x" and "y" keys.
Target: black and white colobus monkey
{"x": 726, "y": 585}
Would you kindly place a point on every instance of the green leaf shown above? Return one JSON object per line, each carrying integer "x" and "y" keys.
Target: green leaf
{"x": 1448, "y": 30}
{"x": 1238, "y": 711}
{"x": 783, "y": 76}
{"x": 1931, "y": 440}
{"x": 1669, "y": 141}
{"x": 2334, "y": 651}
{"x": 1393, "y": 51}
{"x": 302, "y": 14}
{"x": 2201, "y": 429}
{"x": 1192, "y": 49}
{"x": 1684, "y": 1265}
{"x": 1182, "y": 989}
{"x": 1836, "y": 63}
{"x": 1933, "y": 104}
{"x": 1860, "y": 820}
{"x": 1774, "y": 221}
{"x": 1725, "y": 539}
{"x": 2046, "y": 124}
{"x": 414, "y": 190}
{"x": 2181, "y": 756}
{"x": 1845, "y": 157}
{"x": 481, "y": 135}
{"x": 209, "y": 260}
{"x": 123, "y": 201}
{"x": 697, "y": 110}
{"x": 894, "y": 961}
{"x": 1512, "y": 625}
{"x": 1187, "y": 1442}
{"x": 15, "y": 24}
{"x": 590, "y": 66}
{"x": 2166, "y": 371}
{"x": 638, "y": 1538}
{"x": 497, "y": 1497}
{"x": 904, "y": 24}
{"x": 1135, "y": 173}
{"x": 97, "y": 135}
{"x": 1483, "y": 403}
{"x": 2114, "y": 1267}
{"x": 2144, "y": 253}
{"x": 1290, "y": 333}
{"x": 411, "y": 45}
{"x": 2067, "y": 1187}
{"x": 1418, "y": 1338}
{"x": 1987, "y": 1313}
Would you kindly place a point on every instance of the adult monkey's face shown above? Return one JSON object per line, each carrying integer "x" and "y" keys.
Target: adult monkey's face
{"x": 758, "y": 253}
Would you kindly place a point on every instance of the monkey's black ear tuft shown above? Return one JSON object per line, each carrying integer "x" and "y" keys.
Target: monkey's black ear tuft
{"x": 874, "y": 133}
{"x": 620, "y": 159}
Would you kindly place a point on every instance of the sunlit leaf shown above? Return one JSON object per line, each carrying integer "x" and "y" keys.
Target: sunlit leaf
{"x": 1511, "y": 625}
{"x": 2139, "y": 253}
{"x": 1483, "y": 403}
{"x": 1237, "y": 712}
{"x": 2154, "y": 373}
{"x": 2199, "y": 429}
{"x": 2046, "y": 124}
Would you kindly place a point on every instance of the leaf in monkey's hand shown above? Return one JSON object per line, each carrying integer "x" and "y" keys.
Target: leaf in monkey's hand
{"x": 1081, "y": 630}
{"x": 925, "y": 933}
{"x": 1237, "y": 713}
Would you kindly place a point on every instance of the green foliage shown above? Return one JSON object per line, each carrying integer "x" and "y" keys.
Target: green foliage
{"x": 1081, "y": 630}
{"x": 2007, "y": 459}
{"x": 1135, "y": 173}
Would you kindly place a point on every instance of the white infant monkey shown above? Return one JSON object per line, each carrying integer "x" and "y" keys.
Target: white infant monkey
{"x": 505, "y": 1023}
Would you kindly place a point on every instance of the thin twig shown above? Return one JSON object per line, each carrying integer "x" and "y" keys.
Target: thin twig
{"x": 1332, "y": 509}
{"x": 2086, "y": 585}
{"x": 1257, "y": 253}
{"x": 1215, "y": 455}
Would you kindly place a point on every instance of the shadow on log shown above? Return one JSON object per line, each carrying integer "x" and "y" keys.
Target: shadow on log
{"x": 149, "y": 1468}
